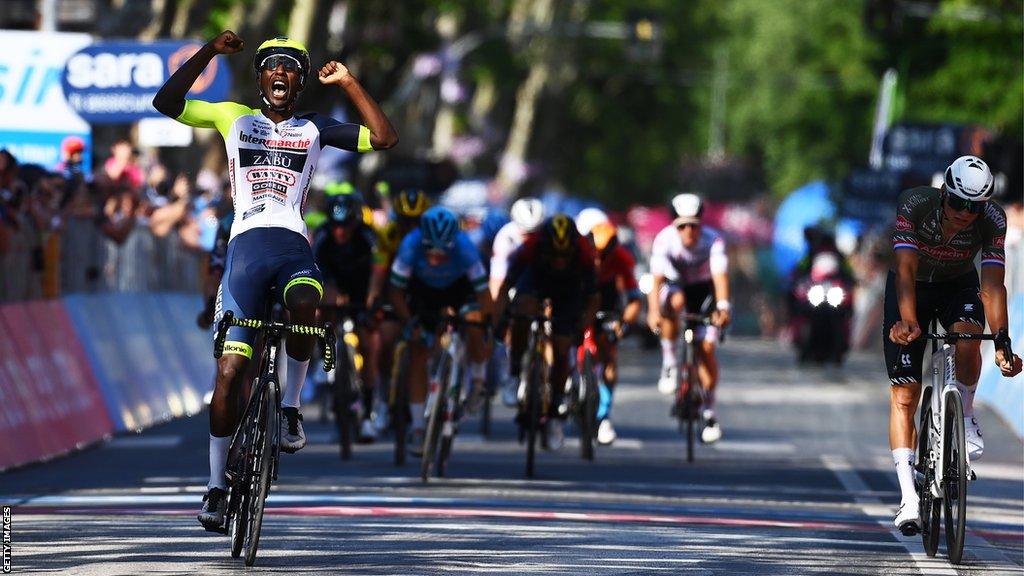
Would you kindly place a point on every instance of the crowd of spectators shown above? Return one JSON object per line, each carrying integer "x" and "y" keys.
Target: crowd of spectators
{"x": 65, "y": 230}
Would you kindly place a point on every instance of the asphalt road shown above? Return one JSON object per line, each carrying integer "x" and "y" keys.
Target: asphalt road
{"x": 802, "y": 482}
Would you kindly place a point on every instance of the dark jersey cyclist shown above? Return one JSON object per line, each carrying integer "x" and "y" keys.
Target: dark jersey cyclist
{"x": 937, "y": 236}
{"x": 438, "y": 271}
{"x": 272, "y": 152}
{"x": 555, "y": 264}
{"x": 344, "y": 249}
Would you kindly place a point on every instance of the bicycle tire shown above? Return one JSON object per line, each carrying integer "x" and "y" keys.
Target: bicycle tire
{"x": 343, "y": 398}
{"x": 588, "y": 408}
{"x": 533, "y": 408}
{"x": 400, "y": 402}
{"x": 262, "y": 457}
{"x": 929, "y": 511}
{"x": 436, "y": 420}
{"x": 687, "y": 377}
{"x": 954, "y": 501}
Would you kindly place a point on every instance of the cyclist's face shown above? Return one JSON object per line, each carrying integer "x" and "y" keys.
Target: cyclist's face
{"x": 959, "y": 217}
{"x": 280, "y": 83}
{"x": 690, "y": 234}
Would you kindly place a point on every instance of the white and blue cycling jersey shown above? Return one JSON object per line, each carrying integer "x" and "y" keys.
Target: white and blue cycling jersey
{"x": 462, "y": 260}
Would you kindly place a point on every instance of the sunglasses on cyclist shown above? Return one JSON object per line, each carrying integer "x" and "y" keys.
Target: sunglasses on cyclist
{"x": 687, "y": 225}
{"x": 958, "y": 204}
{"x": 273, "y": 61}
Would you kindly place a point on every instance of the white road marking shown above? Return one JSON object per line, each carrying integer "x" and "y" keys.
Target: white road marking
{"x": 854, "y": 484}
{"x": 754, "y": 447}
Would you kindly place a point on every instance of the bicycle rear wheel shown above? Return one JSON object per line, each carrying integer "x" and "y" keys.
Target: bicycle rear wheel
{"x": 400, "y": 401}
{"x": 588, "y": 407}
{"x": 954, "y": 479}
{"x": 262, "y": 459}
{"x": 930, "y": 510}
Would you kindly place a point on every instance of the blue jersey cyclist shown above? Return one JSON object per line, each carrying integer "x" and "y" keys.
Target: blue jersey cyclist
{"x": 272, "y": 152}
{"x": 437, "y": 269}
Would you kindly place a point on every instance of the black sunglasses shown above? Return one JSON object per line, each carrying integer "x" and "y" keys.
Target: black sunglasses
{"x": 687, "y": 225}
{"x": 272, "y": 62}
{"x": 958, "y": 204}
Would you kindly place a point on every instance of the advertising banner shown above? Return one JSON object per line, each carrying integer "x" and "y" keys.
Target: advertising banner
{"x": 36, "y": 116}
{"x": 51, "y": 400}
{"x": 115, "y": 82}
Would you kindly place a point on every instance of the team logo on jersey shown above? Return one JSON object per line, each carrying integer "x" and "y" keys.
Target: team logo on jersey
{"x": 946, "y": 253}
{"x": 968, "y": 307}
{"x": 270, "y": 191}
{"x": 905, "y": 360}
{"x": 904, "y": 224}
{"x": 257, "y": 175}
{"x": 249, "y": 158}
{"x": 254, "y": 210}
{"x": 999, "y": 241}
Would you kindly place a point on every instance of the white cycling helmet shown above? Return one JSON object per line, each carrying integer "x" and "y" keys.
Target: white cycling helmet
{"x": 527, "y": 213}
{"x": 688, "y": 209}
{"x": 969, "y": 178}
{"x": 588, "y": 218}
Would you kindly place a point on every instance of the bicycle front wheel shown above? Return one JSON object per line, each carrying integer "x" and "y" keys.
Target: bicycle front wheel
{"x": 344, "y": 396}
{"x": 533, "y": 410}
{"x": 930, "y": 509}
{"x": 588, "y": 408}
{"x": 436, "y": 420}
{"x": 954, "y": 476}
{"x": 400, "y": 401}
{"x": 262, "y": 458}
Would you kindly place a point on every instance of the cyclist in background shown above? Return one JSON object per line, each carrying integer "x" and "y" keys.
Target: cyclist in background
{"x": 527, "y": 215}
{"x": 406, "y": 209}
{"x": 344, "y": 251}
{"x": 937, "y": 235}
{"x": 438, "y": 270}
{"x": 616, "y": 283}
{"x": 272, "y": 152}
{"x": 689, "y": 264}
{"x": 557, "y": 264}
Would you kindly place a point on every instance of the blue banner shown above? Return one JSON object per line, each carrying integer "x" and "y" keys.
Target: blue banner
{"x": 114, "y": 82}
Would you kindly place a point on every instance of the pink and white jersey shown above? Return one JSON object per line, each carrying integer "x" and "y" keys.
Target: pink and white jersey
{"x": 682, "y": 266}
{"x": 510, "y": 237}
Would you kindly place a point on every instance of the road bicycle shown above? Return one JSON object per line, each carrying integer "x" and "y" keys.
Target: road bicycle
{"x": 446, "y": 394}
{"x": 690, "y": 394}
{"x": 584, "y": 390}
{"x": 345, "y": 381}
{"x": 943, "y": 467}
{"x": 253, "y": 455}
{"x": 535, "y": 368}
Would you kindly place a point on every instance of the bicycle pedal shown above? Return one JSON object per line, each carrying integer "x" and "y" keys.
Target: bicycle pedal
{"x": 910, "y": 528}
{"x": 972, "y": 475}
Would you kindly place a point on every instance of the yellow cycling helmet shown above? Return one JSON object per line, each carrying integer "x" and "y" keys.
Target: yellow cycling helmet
{"x": 559, "y": 235}
{"x": 285, "y": 47}
{"x": 411, "y": 203}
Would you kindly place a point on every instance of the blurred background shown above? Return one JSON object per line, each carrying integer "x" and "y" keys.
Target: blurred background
{"x": 796, "y": 120}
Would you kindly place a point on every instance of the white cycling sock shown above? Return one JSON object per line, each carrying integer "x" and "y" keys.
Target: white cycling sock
{"x": 904, "y": 460}
{"x": 296, "y": 378}
{"x": 477, "y": 370}
{"x": 218, "y": 460}
{"x": 668, "y": 353}
{"x": 419, "y": 421}
{"x": 968, "y": 393}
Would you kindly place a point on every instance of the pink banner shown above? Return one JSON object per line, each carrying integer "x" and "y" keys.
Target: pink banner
{"x": 50, "y": 397}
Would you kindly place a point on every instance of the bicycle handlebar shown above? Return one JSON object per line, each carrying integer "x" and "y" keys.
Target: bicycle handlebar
{"x": 324, "y": 334}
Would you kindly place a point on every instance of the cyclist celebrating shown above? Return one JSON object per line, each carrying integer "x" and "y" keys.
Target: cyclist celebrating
{"x": 272, "y": 152}
{"x": 689, "y": 265}
{"x": 344, "y": 251}
{"x": 437, "y": 269}
{"x": 615, "y": 279}
{"x": 556, "y": 264}
{"x": 937, "y": 235}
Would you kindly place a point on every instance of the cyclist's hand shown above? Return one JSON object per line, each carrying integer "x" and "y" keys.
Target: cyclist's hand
{"x": 904, "y": 332}
{"x": 654, "y": 321}
{"x": 334, "y": 72}
{"x": 721, "y": 318}
{"x": 1010, "y": 367}
{"x": 228, "y": 43}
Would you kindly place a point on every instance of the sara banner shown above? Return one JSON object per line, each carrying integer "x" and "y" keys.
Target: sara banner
{"x": 114, "y": 82}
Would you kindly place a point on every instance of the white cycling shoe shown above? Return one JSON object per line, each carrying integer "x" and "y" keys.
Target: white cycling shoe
{"x": 510, "y": 391}
{"x": 972, "y": 434}
{"x": 606, "y": 432}
{"x": 712, "y": 431}
{"x": 908, "y": 518}
{"x": 667, "y": 382}
{"x": 555, "y": 434}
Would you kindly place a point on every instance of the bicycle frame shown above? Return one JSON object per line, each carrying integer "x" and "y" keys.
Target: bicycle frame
{"x": 943, "y": 374}
{"x": 452, "y": 391}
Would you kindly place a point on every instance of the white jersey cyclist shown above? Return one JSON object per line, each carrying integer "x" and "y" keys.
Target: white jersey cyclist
{"x": 510, "y": 237}
{"x": 270, "y": 164}
{"x": 684, "y": 267}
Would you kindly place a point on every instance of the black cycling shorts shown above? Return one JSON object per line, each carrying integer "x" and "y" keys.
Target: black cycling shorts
{"x": 567, "y": 305}
{"x": 431, "y": 304}
{"x": 949, "y": 302}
